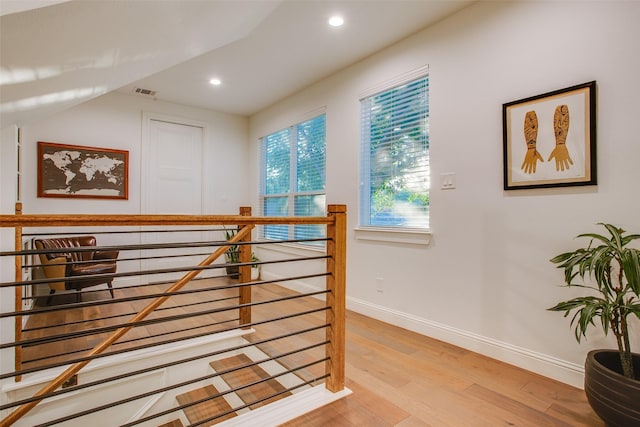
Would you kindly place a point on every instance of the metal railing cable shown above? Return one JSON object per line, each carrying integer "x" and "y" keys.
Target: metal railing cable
{"x": 151, "y": 246}
{"x": 124, "y": 314}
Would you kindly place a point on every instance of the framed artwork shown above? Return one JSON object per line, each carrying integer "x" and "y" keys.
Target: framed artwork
{"x": 549, "y": 140}
{"x": 85, "y": 172}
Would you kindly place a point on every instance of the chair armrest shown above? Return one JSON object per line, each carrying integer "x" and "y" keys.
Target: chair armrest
{"x": 53, "y": 269}
{"x": 106, "y": 255}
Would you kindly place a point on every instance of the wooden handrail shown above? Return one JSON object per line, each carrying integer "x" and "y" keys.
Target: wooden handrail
{"x": 36, "y": 220}
{"x": 118, "y": 333}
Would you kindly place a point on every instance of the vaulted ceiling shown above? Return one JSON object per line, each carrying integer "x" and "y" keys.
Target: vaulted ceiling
{"x": 55, "y": 54}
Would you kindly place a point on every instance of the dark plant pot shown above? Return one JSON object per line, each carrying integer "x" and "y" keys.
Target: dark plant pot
{"x": 233, "y": 271}
{"x": 614, "y": 397}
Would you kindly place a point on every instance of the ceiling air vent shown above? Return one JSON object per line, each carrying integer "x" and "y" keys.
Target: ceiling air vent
{"x": 147, "y": 92}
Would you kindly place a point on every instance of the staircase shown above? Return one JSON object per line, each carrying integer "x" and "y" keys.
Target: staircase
{"x": 244, "y": 384}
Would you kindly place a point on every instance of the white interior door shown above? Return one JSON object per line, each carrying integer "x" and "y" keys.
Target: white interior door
{"x": 174, "y": 173}
{"x": 172, "y": 184}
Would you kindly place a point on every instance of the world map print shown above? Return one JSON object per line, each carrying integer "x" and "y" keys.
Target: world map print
{"x": 68, "y": 171}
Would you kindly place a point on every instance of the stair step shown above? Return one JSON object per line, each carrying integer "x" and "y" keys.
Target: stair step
{"x": 207, "y": 409}
{"x": 172, "y": 423}
{"x": 249, "y": 375}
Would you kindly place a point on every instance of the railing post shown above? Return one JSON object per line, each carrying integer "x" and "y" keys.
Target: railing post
{"x": 18, "y": 294}
{"x": 336, "y": 297}
{"x": 245, "y": 274}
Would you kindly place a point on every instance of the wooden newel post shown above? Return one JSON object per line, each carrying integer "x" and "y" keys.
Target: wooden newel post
{"x": 18, "y": 294}
{"x": 336, "y": 297}
{"x": 245, "y": 273}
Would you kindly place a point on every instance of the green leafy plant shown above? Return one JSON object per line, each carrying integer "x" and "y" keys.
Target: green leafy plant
{"x": 232, "y": 254}
{"x": 610, "y": 268}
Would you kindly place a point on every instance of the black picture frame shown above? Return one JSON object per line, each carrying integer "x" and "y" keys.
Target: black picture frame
{"x": 549, "y": 140}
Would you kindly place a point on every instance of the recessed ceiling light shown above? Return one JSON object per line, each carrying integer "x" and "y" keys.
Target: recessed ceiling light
{"x": 336, "y": 21}
{"x": 215, "y": 81}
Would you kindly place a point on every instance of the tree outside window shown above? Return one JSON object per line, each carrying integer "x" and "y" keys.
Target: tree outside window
{"x": 293, "y": 178}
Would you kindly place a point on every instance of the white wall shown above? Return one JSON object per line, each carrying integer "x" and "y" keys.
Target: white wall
{"x": 8, "y": 161}
{"x": 115, "y": 121}
{"x": 485, "y": 280}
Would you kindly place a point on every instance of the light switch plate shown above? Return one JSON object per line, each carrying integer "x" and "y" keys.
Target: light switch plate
{"x": 447, "y": 181}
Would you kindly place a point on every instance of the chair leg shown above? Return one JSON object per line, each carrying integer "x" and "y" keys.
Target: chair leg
{"x": 110, "y": 288}
{"x": 77, "y": 295}
{"x": 51, "y": 292}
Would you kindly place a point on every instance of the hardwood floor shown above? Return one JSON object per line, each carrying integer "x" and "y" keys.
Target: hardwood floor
{"x": 87, "y": 318}
{"x": 400, "y": 378}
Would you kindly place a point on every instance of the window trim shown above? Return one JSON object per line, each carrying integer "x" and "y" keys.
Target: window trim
{"x": 411, "y": 236}
{"x": 396, "y": 81}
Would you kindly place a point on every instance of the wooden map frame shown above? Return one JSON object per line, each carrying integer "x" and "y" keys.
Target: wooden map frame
{"x": 48, "y": 187}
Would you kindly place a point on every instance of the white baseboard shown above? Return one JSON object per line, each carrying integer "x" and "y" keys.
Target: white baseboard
{"x": 548, "y": 366}
{"x": 295, "y": 285}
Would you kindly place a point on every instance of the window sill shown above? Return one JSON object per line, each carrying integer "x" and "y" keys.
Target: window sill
{"x": 292, "y": 248}
{"x": 392, "y": 235}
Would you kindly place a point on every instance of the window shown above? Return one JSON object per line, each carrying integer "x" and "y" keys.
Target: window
{"x": 394, "y": 172}
{"x": 293, "y": 179}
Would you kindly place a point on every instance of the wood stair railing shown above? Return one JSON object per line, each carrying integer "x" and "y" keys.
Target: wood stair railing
{"x": 249, "y": 382}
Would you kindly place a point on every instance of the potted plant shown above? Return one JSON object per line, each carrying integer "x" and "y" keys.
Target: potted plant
{"x": 610, "y": 270}
{"x": 232, "y": 256}
{"x": 255, "y": 268}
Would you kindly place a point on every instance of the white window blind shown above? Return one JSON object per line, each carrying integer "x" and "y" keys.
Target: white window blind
{"x": 293, "y": 179}
{"x": 394, "y": 169}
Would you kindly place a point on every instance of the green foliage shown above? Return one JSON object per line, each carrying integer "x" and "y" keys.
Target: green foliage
{"x": 232, "y": 255}
{"x": 277, "y": 159}
{"x": 383, "y": 198}
{"x": 420, "y": 198}
{"x": 311, "y": 155}
{"x": 609, "y": 268}
{"x": 308, "y": 158}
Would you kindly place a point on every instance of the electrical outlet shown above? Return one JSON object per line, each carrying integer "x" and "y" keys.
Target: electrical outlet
{"x": 380, "y": 284}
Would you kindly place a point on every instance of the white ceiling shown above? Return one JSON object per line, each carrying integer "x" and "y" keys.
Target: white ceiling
{"x": 63, "y": 54}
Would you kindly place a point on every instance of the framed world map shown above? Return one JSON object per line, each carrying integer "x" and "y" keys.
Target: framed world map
{"x": 77, "y": 171}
